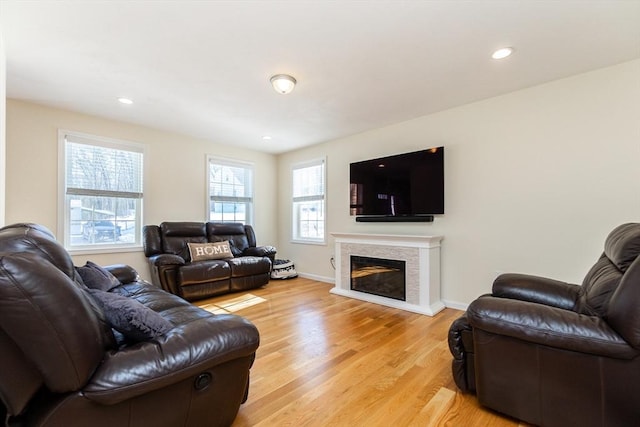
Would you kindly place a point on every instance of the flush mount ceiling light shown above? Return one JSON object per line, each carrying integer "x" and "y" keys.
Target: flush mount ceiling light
{"x": 125, "y": 101}
{"x": 283, "y": 83}
{"x": 502, "y": 53}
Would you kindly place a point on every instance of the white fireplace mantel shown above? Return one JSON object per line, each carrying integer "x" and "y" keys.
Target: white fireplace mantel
{"x": 422, "y": 257}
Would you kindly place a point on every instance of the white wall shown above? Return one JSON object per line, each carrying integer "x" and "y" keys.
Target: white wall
{"x": 3, "y": 108}
{"x": 175, "y": 185}
{"x": 534, "y": 179}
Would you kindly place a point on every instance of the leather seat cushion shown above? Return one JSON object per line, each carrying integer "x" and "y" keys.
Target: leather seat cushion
{"x": 249, "y": 265}
{"x": 203, "y": 271}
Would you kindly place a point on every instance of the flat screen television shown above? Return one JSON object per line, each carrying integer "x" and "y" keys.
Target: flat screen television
{"x": 403, "y": 187}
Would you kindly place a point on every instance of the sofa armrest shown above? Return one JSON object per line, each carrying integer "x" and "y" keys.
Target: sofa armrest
{"x": 124, "y": 273}
{"x": 183, "y": 352}
{"x": 164, "y": 268}
{"x": 536, "y": 289}
{"x": 461, "y": 346}
{"x": 548, "y": 326}
{"x": 268, "y": 251}
{"x": 167, "y": 259}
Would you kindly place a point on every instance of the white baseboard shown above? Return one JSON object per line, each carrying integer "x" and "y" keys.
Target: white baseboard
{"x": 447, "y": 303}
{"x": 430, "y": 310}
{"x": 325, "y": 279}
{"x": 455, "y": 305}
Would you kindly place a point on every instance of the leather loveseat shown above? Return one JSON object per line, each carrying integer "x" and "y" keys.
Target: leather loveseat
{"x": 67, "y": 361}
{"x": 168, "y": 248}
{"x": 558, "y": 354}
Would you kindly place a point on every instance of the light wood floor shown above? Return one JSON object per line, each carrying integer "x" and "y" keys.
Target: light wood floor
{"x": 327, "y": 360}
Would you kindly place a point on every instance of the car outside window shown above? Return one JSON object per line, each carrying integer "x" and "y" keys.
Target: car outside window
{"x": 99, "y": 231}
{"x": 101, "y": 194}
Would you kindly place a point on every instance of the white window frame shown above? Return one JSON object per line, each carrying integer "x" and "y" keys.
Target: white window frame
{"x": 295, "y": 220}
{"x": 64, "y": 209}
{"x": 248, "y": 200}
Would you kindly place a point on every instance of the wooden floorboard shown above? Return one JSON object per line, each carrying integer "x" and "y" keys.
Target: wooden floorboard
{"x": 328, "y": 360}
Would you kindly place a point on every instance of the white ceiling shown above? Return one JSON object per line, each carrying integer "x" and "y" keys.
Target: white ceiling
{"x": 202, "y": 68}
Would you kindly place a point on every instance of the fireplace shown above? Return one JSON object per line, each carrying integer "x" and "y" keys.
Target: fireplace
{"x": 378, "y": 276}
{"x": 419, "y": 258}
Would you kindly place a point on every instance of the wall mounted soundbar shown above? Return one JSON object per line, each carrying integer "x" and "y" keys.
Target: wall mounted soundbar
{"x": 388, "y": 218}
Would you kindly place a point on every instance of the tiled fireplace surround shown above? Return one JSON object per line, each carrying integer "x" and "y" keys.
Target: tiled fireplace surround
{"x": 422, "y": 257}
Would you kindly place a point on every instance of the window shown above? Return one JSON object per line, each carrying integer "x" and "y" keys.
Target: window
{"x": 230, "y": 191}
{"x": 101, "y": 195}
{"x": 308, "y": 183}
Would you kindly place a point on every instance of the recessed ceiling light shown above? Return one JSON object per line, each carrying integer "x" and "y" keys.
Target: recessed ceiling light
{"x": 125, "y": 101}
{"x": 502, "y": 53}
{"x": 266, "y": 138}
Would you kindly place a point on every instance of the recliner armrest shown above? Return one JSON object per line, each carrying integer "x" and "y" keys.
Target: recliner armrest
{"x": 185, "y": 351}
{"x": 536, "y": 289}
{"x": 167, "y": 259}
{"x": 268, "y": 251}
{"x": 548, "y": 326}
{"x": 461, "y": 345}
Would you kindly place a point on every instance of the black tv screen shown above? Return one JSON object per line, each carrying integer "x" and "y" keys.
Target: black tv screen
{"x": 403, "y": 185}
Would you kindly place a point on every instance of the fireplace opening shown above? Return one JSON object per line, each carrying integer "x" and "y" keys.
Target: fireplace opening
{"x": 382, "y": 277}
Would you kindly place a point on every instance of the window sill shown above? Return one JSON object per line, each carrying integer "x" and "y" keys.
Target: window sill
{"x": 104, "y": 250}
{"x": 309, "y": 242}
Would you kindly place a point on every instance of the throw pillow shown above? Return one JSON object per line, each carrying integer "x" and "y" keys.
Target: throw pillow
{"x": 202, "y": 251}
{"x": 129, "y": 317}
{"x": 96, "y": 277}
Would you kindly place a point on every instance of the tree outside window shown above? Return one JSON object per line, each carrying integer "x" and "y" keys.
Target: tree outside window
{"x": 308, "y": 183}
{"x": 103, "y": 192}
{"x": 230, "y": 191}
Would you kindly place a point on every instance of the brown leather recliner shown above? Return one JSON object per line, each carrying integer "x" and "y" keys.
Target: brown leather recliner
{"x": 557, "y": 354}
{"x": 166, "y": 247}
{"x": 63, "y": 364}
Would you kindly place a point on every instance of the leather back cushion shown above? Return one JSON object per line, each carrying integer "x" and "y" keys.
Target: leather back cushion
{"x": 233, "y": 232}
{"x": 38, "y": 240}
{"x": 622, "y": 246}
{"x": 49, "y": 317}
{"x": 623, "y": 314}
{"x": 151, "y": 240}
{"x": 251, "y": 236}
{"x": 598, "y": 286}
{"x": 176, "y": 235}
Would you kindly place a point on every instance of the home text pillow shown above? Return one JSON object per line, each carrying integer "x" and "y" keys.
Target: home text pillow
{"x": 96, "y": 277}
{"x": 202, "y": 251}
{"x": 129, "y": 317}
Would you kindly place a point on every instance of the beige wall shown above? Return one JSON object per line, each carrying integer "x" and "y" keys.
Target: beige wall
{"x": 535, "y": 180}
{"x": 3, "y": 107}
{"x": 175, "y": 180}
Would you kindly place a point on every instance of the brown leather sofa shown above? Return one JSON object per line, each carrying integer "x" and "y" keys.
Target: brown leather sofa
{"x": 166, "y": 248}
{"x": 64, "y": 365}
{"x": 558, "y": 354}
